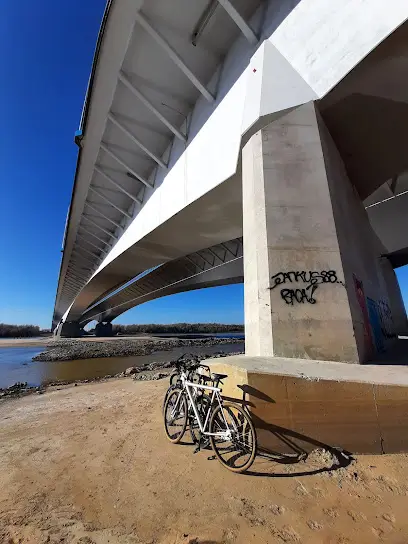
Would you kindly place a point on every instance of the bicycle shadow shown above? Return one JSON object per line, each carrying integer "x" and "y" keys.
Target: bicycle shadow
{"x": 297, "y": 453}
{"x": 308, "y": 456}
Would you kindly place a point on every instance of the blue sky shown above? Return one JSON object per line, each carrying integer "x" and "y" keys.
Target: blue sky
{"x": 46, "y": 50}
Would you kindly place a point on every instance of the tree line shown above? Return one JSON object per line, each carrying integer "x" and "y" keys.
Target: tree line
{"x": 18, "y": 331}
{"x": 177, "y": 328}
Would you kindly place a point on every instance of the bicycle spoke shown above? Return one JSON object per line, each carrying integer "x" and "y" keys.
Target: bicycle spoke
{"x": 235, "y": 444}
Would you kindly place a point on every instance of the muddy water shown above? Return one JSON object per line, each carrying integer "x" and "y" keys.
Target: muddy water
{"x": 16, "y": 364}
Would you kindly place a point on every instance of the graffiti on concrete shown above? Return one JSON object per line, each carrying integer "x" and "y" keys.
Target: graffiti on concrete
{"x": 381, "y": 322}
{"x": 375, "y": 324}
{"x": 377, "y": 319}
{"x": 359, "y": 289}
{"x": 386, "y": 320}
{"x": 312, "y": 278}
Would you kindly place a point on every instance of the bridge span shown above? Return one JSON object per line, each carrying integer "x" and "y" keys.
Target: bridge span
{"x": 282, "y": 124}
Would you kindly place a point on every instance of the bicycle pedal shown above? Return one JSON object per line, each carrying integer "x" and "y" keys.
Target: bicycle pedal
{"x": 197, "y": 449}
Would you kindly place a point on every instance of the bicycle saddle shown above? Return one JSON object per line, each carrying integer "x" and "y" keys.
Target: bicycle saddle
{"x": 216, "y": 377}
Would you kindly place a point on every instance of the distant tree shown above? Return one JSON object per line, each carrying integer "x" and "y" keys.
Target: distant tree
{"x": 18, "y": 331}
{"x": 177, "y": 328}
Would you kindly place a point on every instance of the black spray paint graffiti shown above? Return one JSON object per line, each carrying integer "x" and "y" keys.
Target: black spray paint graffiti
{"x": 314, "y": 279}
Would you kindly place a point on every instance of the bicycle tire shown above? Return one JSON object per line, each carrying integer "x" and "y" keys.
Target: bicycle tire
{"x": 180, "y": 415}
{"x": 174, "y": 378}
{"x": 167, "y": 393}
{"x": 248, "y": 440}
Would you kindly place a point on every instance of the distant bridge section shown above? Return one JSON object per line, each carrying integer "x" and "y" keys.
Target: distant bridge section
{"x": 217, "y": 265}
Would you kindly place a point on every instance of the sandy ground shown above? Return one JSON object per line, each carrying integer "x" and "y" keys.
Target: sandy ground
{"x": 24, "y": 342}
{"x": 45, "y": 340}
{"x": 91, "y": 464}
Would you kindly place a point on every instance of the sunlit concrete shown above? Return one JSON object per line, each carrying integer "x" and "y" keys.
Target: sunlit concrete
{"x": 170, "y": 107}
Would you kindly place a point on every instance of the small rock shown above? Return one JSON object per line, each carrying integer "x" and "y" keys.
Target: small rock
{"x": 314, "y": 525}
{"x": 389, "y": 517}
{"x": 379, "y": 533}
{"x": 301, "y": 490}
{"x": 140, "y": 377}
{"x": 277, "y": 510}
{"x": 286, "y": 534}
{"x": 159, "y": 376}
{"x": 130, "y": 370}
{"x": 331, "y": 512}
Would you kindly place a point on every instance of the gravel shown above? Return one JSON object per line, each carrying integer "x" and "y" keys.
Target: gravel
{"x": 19, "y": 389}
{"x": 70, "y": 349}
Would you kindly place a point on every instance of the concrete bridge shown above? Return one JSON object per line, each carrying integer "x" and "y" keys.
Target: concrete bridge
{"x": 280, "y": 123}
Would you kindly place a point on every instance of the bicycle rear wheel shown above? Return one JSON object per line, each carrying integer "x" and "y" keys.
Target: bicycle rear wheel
{"x": 175, "y": 415}
{"x": 236, "y": 453}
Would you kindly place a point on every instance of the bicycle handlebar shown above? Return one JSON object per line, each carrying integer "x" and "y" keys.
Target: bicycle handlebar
{"x": 184, "y": 365}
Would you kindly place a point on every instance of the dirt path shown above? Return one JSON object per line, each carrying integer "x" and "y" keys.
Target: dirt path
{"x": 91, "y": 464}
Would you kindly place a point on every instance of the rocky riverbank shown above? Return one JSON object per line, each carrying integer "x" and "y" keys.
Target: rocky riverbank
{"x": 149, "y": 371}
{"x": 72, "y": 349}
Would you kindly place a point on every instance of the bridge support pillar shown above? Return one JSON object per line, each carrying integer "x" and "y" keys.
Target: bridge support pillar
{"x": 316, "y": 286}
{"x": 69, "y": 329}
{"x": 103, "y": 329}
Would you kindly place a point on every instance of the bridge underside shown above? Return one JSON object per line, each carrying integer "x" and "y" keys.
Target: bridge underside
{"x": 297, "y": 165}
{"x": 214, "y": 266}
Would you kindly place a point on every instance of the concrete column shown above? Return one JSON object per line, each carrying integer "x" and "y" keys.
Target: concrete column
{"x": 69, "y": 329}
{"x": 296, "y": 301}
{"x": 103, "y": 329}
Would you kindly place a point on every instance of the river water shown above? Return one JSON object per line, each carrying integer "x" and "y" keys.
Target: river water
{"x": 16, "y": 364}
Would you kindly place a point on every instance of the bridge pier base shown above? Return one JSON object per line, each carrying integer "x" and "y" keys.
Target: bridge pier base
{"x": 316, "y": 286}
{"x": 69, "y": 329}
{"x": 103, "y": 329}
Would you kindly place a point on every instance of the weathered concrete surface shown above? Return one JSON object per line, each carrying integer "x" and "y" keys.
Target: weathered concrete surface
{"x": 377, "y": 310}
{"x": 297, "y": 405}
{"x": 289, "y": 226}
{"x": 104, "y": 329}
{"x": 315, "y": 284}
{"x": 69, "y": 329}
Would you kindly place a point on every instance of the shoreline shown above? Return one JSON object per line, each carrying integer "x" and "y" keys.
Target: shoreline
{"x": 24, "y": 342}
{"x": 147, "y": 372}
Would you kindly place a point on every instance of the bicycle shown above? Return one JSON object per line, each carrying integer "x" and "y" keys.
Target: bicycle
{"x": 228, "y": 426}
{"x": 195, "y": 374}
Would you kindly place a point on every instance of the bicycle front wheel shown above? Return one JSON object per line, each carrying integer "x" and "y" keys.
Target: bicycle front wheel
{"x": 175, "y": 415}
{"x": 169, "y": 390}
{"x": 237, "y": 451}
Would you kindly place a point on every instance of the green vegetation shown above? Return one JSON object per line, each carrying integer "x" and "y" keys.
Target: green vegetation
{"x": 177, "y": 328}
{"x": 18, "y": 331}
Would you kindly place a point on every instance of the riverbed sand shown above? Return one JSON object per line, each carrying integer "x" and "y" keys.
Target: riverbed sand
{"x": 91, "y": 464}
{"x": 48, "y": 340}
